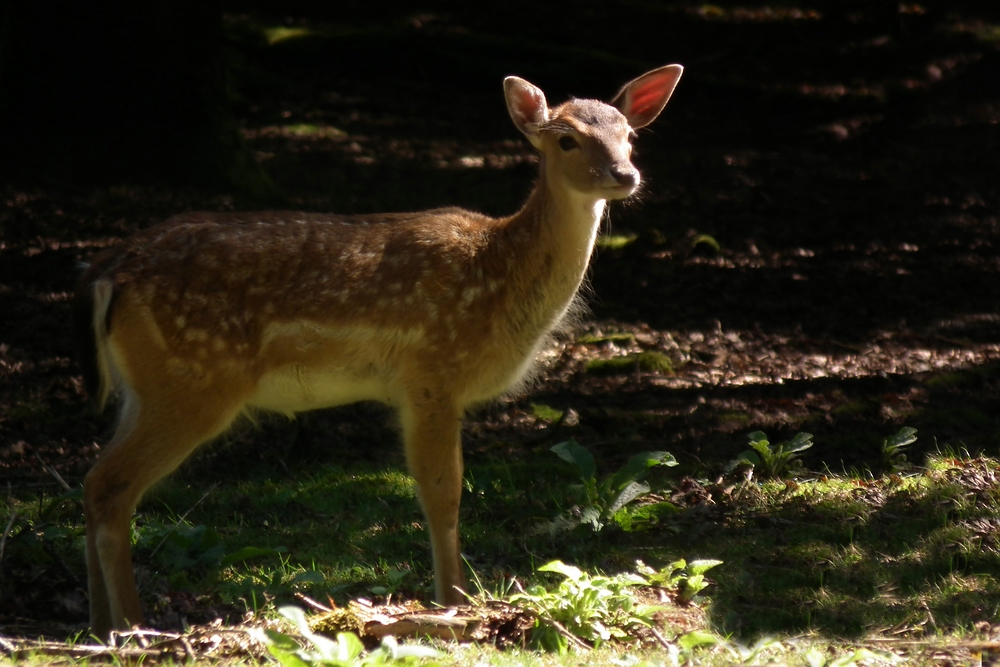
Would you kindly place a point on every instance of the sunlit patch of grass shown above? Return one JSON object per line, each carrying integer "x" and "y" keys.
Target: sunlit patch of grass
{"x": 648, "y": 362}
{"x": 277, "y": 34}
{"x": 545, "y": 413}
{"x": 615, "y": 241}
{"x": 597, "y": 339}
{"x": 311, "y": 130}
{"x": 852, "y": 554}
{"x": 986, "y": 32}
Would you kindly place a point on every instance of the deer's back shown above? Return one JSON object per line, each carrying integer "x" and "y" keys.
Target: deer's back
{"x": 319, "y": 310}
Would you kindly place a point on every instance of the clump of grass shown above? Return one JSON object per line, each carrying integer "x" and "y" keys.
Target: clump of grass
{"x": 546, "y": 412}
{"x": 648, "y": 362}
{"x": 615, "y": 241}
{"x": 597, "y": 339}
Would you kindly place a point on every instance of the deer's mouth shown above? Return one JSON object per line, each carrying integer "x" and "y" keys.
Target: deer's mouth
{"x": 619, "y": 191}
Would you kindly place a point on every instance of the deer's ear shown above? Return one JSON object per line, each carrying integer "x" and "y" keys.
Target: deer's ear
{"x": 642, "y": 99}
{"x": 527, "y": 107}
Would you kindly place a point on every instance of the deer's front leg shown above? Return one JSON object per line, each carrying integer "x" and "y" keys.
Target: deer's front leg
{"x": 432, "y": 429}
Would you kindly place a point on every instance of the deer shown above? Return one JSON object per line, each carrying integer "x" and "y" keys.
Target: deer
{"x": 210, "y": 317}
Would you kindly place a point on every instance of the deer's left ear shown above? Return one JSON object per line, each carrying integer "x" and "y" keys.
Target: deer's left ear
{"x": 642, "y": 99}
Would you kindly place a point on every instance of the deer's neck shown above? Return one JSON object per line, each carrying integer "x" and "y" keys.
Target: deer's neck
{"x": 552, "y": 239}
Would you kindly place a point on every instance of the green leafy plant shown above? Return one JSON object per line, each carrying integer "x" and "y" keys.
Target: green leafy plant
{"x": 684, "y": 579}
{"x": 592, "y": 609}
{"x": 312, "y": 649}
{"x": 606, "y": 501}
{"x": 779, "y": 460}
{"x": 893, "y": 458}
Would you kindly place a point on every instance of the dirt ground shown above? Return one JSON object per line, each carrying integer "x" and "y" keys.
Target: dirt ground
{"x": 816, "y": 247}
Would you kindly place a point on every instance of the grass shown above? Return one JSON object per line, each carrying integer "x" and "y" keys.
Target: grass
{"x": 615, "y": 241}
{"x": 821, "y": 556}
{"x": 648, "y": 362}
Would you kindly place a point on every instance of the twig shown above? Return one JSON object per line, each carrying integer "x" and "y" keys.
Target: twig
{"x": 312, "y": 603}
{"x": 191, "y": 655}
{"x": 82, "y": 651}
{"x": 52, "y": 471}
{"x": 143, "y": 634}
{"x": 659, "y": 637}
{"x": 184, "y": 516}
{"x": 576, "y": 641}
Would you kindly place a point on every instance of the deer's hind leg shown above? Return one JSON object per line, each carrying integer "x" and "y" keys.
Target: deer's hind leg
{"x": 152, "y": 439}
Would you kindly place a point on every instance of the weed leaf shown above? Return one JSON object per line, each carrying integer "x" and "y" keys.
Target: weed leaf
{"x": 906, "y": 436}
{"x": 800, "y": 442}
{"x": 702, "y": 566}
{"x": 698, "y": 638}
{"x": 572, "y": 452}
{"x": 627, "y": 495}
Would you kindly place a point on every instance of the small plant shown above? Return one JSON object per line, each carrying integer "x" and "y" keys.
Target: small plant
{"x": 684, "y": 579}
{"x": 312, "y": 649}
{"x": 593, "y": 609}
{"x": 605, "y": 502}
{"x": 776, "y": 461}
{"x": 893, "y": 458}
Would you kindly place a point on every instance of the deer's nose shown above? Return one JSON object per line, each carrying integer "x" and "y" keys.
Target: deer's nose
{"x": 625, "y": 175}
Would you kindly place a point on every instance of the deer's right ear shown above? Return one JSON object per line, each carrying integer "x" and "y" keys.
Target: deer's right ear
{"x": 527, "y": 107}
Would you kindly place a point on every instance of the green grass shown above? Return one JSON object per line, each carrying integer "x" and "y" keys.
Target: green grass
{"x": 649, "y": 362}
{"x": 596, "y": 339}
{"x": 615, "y": 241}
{"x": 545, "y": 412}
{"x": 823, "y": 556}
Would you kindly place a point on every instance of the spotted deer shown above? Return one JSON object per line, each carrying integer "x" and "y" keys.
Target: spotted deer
{"x": 208, "y": 317}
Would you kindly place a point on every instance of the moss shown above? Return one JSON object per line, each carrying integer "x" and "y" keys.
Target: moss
{"x": 606, "y": 338}
{"x": 545, "y": 412}
{"x": 649, "y": 362}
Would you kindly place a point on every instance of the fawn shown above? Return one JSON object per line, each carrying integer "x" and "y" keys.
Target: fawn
{"x": 210, "y": 316}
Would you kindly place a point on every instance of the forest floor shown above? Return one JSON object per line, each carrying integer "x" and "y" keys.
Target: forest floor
{"x": 816, "y": 246}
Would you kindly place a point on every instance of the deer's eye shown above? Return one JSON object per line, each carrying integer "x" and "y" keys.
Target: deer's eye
{"x": 567, "y": 143}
